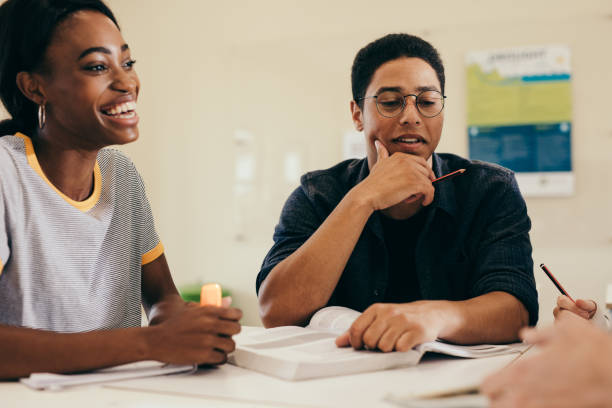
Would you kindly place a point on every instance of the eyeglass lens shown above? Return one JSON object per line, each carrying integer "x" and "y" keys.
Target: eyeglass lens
{"x": 392, "y": 103}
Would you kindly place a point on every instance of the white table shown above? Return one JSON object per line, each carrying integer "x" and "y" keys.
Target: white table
{"x": 231, "y": 387}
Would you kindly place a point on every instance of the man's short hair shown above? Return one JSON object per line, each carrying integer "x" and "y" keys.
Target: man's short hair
{"x": 388, "y": 48}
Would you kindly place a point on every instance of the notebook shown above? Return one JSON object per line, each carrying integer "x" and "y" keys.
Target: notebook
{"x": 50, "y": 381}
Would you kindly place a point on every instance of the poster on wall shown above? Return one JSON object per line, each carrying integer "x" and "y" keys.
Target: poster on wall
{"x": 519, "y": 115}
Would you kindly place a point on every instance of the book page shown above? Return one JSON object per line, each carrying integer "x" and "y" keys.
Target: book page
{"x": 320, "y": 350}
{"x": 295, "y": 353}
{"x": 600, "y": 318}
{"x": 333, "y": 319}
{"x": 476, "y": 351}
{"x": 282, "y": 337}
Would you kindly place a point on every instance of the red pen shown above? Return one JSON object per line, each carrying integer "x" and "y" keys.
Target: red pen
{"x": 449, "y": 175}
{"x": 557, "y": 284}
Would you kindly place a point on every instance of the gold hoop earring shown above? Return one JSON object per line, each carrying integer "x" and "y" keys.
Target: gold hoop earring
{"x": 42, "y": 116}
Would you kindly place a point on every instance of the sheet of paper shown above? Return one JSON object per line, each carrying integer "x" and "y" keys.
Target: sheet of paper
{"x": 334, "y": 319}
{"x": 50, "y": 381}
{"x": 476, "y": 351}
{"x": 461, "y": 401}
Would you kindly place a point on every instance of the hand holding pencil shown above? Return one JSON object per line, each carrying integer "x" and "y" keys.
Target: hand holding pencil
{"x": 583, "y": 308}
{"x": 396, "y": 178}
{"x": 400, "y": 178}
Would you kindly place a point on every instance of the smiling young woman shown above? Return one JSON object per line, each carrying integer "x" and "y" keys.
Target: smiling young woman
{"x": 79, "y": 253}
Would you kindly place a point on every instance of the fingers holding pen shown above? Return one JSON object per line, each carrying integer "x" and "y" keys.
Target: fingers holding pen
{"x": 589, "y": 306}
{"x": 583, "y": 308}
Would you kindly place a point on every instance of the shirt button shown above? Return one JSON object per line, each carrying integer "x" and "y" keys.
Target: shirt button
{"x": 375, "y": 292}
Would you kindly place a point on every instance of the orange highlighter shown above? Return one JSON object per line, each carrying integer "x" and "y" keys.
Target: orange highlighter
{"x": 211, "y": 295}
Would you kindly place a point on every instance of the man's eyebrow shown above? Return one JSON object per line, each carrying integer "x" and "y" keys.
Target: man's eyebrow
{"x": 103, "y": 50}
{"x": 387, "y": 89}
{"x": 399, "y": 89}
{"x": 427, "y": 88}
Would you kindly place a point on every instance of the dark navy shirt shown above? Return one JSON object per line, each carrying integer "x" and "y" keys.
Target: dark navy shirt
{"x": 401, "y": 237}
{"x": 474, "y": 239}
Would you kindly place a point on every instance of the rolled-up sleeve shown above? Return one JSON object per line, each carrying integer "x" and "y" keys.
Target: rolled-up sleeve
{"x": 503, "y": 260}
{"x": 298, "y": 221}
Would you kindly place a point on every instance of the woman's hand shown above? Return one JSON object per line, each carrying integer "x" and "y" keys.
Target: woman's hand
{"x": 198, "y": 334}
{"x": 583, "y": 308}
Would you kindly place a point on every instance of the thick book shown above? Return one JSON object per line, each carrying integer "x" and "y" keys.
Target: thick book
{"x": 299, "y": 353}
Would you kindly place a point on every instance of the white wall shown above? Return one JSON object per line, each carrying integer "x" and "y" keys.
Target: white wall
{"x": 281, "y": 71}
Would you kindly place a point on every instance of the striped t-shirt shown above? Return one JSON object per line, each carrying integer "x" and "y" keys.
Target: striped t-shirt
{"x": 71, "y": 266}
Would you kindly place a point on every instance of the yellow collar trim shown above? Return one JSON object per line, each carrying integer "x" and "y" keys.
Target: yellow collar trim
{"x": 84, "y": 205}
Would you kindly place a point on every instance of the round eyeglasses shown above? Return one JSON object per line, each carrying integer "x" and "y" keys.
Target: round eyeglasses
{"x": 391, "y": 103}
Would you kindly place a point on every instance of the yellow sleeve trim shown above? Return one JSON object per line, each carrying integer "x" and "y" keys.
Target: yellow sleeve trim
{"x": 153, "y": 254}
{"x": 84, "y": 205}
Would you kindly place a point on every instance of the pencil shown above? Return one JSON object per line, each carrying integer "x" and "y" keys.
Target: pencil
{"x": 449, "y": 175}
{"x": 557, "y": 284}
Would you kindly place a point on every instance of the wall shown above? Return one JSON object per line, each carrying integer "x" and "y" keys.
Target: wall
{"x": 279, "y": 71}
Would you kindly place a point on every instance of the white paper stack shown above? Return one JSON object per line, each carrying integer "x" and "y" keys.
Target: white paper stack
{"x": 49, "y": 381}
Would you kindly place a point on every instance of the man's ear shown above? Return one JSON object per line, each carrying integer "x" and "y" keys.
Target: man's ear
{"x": 31, "y": 87}
{"x": 357, "y": 116}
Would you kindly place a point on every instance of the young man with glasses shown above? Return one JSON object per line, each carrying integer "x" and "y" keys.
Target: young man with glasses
{"x": 449, "y": 260}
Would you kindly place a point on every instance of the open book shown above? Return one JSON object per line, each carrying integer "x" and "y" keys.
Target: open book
{"x": 298, "y": 353}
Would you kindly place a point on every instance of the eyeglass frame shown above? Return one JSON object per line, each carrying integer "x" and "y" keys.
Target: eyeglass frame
{"x": 416, "y": 97}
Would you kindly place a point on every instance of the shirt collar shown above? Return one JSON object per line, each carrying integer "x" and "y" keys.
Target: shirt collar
{"x": 444, "y": 197}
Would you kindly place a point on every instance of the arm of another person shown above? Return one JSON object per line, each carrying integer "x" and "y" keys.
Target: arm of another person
{"x": 501, "y": 278}
{"x": 304, "y": 281}
{"x": 573, "y": 368}
{"x": 583, "y": 308}
{"x": 182, "y": 335}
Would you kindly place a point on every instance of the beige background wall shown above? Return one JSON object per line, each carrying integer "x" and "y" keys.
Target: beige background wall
{"x": 279, "y": 70}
